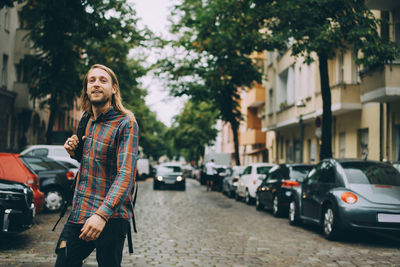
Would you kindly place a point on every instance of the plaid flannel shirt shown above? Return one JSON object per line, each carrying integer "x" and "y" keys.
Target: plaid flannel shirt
{"x": 105, "y": 179}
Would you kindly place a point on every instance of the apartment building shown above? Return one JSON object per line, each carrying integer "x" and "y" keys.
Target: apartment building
{"x": 366, "y": 119}
{"x": 22, "y": 120}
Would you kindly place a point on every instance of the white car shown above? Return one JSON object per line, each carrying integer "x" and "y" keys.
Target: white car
{"x": 56, "y": 152}
{"x": 250, "y": 179}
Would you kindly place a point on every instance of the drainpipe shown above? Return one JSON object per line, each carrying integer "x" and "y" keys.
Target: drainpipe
{"x": 387, "y": 129}
{"x": 380, "y": 131}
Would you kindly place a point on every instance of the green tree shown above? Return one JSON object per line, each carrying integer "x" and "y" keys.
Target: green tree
{"x": 68, "y": 36}
{"x": 216, "y": 65}
{"x": 193, "y": 129}
{"x": 322, "y": 28}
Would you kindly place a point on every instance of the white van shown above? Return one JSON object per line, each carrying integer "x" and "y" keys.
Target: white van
{"x": 143, "y": 166}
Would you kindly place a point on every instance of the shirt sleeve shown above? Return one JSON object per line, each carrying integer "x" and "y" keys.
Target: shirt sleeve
{"x": 127, "y": 151}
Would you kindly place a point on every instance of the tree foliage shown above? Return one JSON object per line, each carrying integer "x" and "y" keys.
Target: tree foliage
{"x": 71, "y": 35}
{"x": 323, "y": 28}
{"x": 215, "y": 66}
{"x": 193, "y": 129}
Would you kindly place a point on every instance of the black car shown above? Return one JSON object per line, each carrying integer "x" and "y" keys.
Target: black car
{"x": 55, "y": 181}
{"x": 16, "y": 207}
{"x": 340, "y": 195}
{"x": 169, "y": 174}
{"x": 275, "y": 190}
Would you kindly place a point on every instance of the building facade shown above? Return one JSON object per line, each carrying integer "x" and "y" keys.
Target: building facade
{"x": 22, "y": 120}
{"x": 365, "y": 117}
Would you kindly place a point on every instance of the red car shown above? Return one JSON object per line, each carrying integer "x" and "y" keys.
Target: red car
{"x": 12, "y": 169}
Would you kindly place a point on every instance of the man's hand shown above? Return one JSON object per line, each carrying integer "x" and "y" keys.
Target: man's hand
{"x": 92, "y": 228}
{"x": 71, "y": 144}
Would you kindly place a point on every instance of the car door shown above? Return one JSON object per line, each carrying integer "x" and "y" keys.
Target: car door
{"x": 243, "y": 180}
{"x": 316, "y": 188}
{"x": 274, "y": 178}
{"x": 309, "y": 187}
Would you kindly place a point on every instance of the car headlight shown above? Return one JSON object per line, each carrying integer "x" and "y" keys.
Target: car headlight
{"x": 179, "y": 178}
{"x": 159, "y": 178}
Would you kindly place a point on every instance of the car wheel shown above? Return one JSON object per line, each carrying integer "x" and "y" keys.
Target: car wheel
{"x": 237, "y": 197}
{"x": 259, "y": 206}
{"x": 276, "y": 210}
{"x": 248, "y": 198}
{"x": 53, "y": 199}
{"x": 330, "y": 223}
{"x": 294, "y": 218}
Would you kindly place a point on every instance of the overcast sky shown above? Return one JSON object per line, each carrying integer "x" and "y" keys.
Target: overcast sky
{"x": 153, "y": 14}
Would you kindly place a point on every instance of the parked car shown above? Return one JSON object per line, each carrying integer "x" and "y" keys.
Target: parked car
{"x": 275, "y": 192}
{"x": 250, "y": 179}
{"x": 396, "y": 164}
{"x": 169, "y": 174}
{"x": 55, "y": 152}
{"x": 16, "y": 207}
{"x": 55, "y": 181}
{"x": 221, "y": 173}
{"x": 229, "y": 184}
{"x": 13, "y": 169}
{"x": 348, "y": 194}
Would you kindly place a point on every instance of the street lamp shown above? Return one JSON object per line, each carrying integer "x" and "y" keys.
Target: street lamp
{"x": 301, "y": 104}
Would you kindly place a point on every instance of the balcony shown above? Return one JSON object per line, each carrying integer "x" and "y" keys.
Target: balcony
{"x": 22, "y": 101}
{"x": 255, "y": 97}
{"x": 381, "y": 84}
{"x": 252, "y": 137}
{"x": 22, "y": 45}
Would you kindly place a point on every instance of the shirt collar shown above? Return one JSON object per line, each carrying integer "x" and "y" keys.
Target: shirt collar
{"x": 104, "y": 116}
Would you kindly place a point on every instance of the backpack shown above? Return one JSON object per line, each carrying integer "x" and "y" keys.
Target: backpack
{"x": 78, "y": 156}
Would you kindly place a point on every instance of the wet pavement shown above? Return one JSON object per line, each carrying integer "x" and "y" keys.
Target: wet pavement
{"x": 200, "y": 228}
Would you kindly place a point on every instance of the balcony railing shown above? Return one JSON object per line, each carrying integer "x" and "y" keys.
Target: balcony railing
{"x": 381, "y": 84}
{"x": 255, "y": 97}
{"x": 252, "y": 137}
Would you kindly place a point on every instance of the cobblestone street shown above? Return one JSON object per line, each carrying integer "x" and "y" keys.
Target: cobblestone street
{"x": 199, "y": 228}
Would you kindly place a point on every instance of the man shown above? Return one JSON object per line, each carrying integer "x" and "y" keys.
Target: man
{"x": 210, "y": 173}
{"x": 101, "y": 207}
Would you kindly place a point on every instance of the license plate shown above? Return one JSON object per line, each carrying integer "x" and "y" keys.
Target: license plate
{"x": 388, "y": 218}
{"x": 169, "y": 181}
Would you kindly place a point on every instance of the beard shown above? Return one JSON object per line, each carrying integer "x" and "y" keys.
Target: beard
{"x": 99, "y": 102}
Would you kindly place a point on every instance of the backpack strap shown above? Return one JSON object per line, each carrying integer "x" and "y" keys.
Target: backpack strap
{"x": 78, "y": 156}
{"x": 132, "y": 207}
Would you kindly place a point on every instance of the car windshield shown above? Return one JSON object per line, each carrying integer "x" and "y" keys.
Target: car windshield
{"x": 263, "y": 169}
{"x": 38, "y": 164}
{"x": 169, "y": 169}
{"x": 371, "y": 173}
{"x": 298, "y": 173}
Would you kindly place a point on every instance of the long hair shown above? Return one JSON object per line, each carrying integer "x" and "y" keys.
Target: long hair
{"x": 116, "y": 100}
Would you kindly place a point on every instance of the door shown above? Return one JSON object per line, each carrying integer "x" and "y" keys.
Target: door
{"x": 242, "y": 181}
{"x": 309, "y": 187}
{"x": 271, "y": 185}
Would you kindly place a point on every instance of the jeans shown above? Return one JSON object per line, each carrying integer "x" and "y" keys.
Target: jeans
{"x": 108, "y": 246}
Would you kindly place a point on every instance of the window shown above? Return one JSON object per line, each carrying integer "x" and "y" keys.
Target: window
{"x": 271, "y": 101}
{"x": 247, "y": 171}
{"x": 41, "y": 152}
{"x": 263, "y": 170}
{"x": 4, "y": 71}
{"x": 371, "y": 173}
{"x": 363, "y": 143}
{"x": 342, "y": 145}
{"x": 285, "y": 88}
{"x": 289, "y": 151}
{"x": 341, "y": 67}
{"x": 327, "y": 174}
{"x": 6, "y": 18}
{"x": 297, "y": 152}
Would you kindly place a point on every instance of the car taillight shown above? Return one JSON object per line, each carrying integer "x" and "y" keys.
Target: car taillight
{"x": 33, "y": 180}
{"x": 70, "y": 175}
{"x": 349, "y": 198}
{"x": 289, "y": 184}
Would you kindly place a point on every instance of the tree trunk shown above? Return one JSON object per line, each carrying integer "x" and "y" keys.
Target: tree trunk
{"x": 326, "y": 139}
{"x": 235, "y": 127}
{"x": 52, "y": 118}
